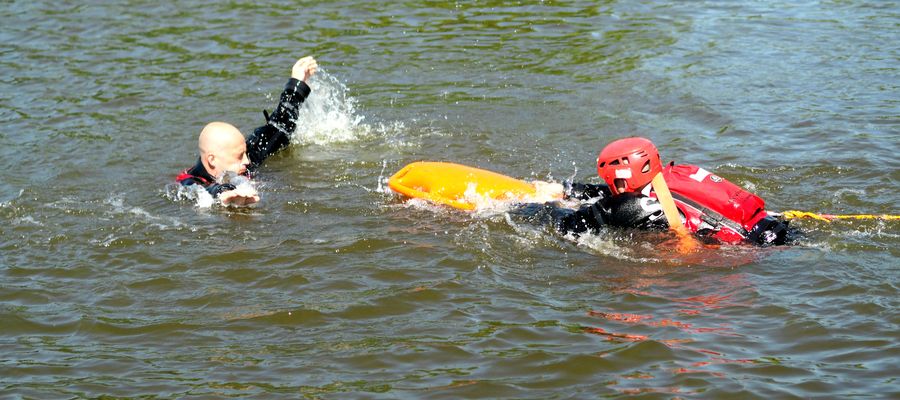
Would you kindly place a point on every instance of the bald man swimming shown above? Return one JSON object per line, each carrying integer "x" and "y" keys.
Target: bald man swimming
{"x": 224, "y": 150}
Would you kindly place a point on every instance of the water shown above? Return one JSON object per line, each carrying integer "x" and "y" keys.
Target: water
{"x": 333, "y": 288}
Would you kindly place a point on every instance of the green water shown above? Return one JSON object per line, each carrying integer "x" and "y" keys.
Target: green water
{"x": 335, "y": 288}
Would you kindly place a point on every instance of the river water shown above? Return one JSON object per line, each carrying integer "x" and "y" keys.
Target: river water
{"x": 115, "y": 285}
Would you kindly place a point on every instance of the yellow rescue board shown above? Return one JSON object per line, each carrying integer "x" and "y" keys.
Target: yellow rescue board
{"x": 448, "y": 183}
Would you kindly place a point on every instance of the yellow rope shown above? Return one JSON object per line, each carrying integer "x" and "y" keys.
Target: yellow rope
{"x": 794, "y": 214}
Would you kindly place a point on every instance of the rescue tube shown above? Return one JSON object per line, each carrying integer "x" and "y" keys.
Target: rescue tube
{"x": 458, "y": 185}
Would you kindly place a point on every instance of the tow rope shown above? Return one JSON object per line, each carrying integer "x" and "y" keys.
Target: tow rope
{"x": 795, "y": 214}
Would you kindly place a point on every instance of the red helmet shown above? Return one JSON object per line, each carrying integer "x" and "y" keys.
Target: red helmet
{"x": 629, "y": 164}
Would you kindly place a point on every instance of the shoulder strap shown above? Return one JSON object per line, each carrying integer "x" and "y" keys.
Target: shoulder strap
{"x": 710, "y": 216}
{"x": 185, "y": 175}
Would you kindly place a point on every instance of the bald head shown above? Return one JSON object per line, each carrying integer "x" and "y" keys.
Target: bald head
{"x": 216, "y": 135}
{"x": 222, "y": 148}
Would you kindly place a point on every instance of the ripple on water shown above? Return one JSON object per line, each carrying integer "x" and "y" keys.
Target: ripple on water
{"x": 333, "y": 288}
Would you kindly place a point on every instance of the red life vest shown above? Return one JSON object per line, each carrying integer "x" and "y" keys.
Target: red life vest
{"x": 184, "y": 175}
{"x": 709, "y": 202}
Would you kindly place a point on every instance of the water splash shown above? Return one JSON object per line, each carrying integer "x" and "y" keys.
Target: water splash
{"x": 329, "y": 115}
{"x": 119, "y": 207}
{"x": 606, "y": 244}
{"x": 7, "y": 203}
{"x": 486, "y": 205}
{"x": 843, "y": 195}
{"x": 198, "y": 195}
{"x": 240, "y": 182}
{"x": 193, "y": 193}
{"x": 382, "y": 186}
{"x": 546, "y": 192}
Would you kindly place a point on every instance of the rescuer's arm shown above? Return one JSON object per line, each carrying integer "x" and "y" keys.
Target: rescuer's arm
{"x": 585, "y": 191}
{"x": 633, "y": 210}
{"x": 564, "y": 220}
{"x": 280, "y": 125}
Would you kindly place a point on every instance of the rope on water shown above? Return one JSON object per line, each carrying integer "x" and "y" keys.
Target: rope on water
{"x": 794, "y": 214}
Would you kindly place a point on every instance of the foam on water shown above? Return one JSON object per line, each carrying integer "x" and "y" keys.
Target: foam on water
{"x": 28, "y": 220}
{"x": 606, "y": 245}
{"x": 839, "y": 196}
{"x": 162, "y": 222}
{"x": 8, "y": 202}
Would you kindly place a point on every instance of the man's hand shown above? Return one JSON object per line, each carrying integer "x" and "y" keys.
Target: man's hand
{"x": 239, "y": 197}
{"x": 304, "y": 68}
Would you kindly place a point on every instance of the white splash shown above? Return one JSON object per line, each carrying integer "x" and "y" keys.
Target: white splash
{"x": 242, "y": 185}
{"x": 606, "y": 245}
{"x": 8, "y": 202}
{"x": 485, "y": 205}
{"x": 545, "y": 192}
{"x": 193, "y": 193}
{"x": 840, "y": 194}
{"x": 162, "y": 222}
{"x": 29, "y": 220}
{"x": 382, "y": 185}
{"x": 202, "y": 199}
{"x": 329, "y": 114}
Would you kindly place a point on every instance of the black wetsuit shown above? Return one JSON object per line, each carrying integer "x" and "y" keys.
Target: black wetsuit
{"x": 622, "y": 210}
{"x": 628, "y": 210}
{"x": 265, "y": 140}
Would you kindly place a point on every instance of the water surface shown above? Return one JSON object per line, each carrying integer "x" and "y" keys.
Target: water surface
{"x": 334, "y": 288}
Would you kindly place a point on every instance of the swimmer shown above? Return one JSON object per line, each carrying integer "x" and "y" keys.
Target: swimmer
{"x": 709, "y": 206}
{"x": 224, "y": 151}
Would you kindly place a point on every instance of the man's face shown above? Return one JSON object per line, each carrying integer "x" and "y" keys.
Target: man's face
{"x": 233, "y": 158}
{"x": 230, "y": 155}
{"x": 222, "y": 149}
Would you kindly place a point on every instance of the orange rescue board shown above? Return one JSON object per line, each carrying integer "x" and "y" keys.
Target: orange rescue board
{"x": 446, "y": 183}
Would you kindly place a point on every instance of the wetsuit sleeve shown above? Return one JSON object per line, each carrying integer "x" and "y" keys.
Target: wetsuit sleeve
{"x": 589, "y": 218}
{"x": 771, "y": 231}
{"x": 626, "y": 210}
{"x": 585, "y": 191}
{"x": 564, "y": 220}
{"x": 633, "y": 210}
{"x": 280, "y": 125}
{"x": 214, "y": 189}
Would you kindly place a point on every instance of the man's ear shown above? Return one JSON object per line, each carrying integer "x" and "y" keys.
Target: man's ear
{"x": 210, "y": 160}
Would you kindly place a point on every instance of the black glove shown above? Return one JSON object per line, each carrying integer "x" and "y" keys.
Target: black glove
{"x": 769, "y": 231}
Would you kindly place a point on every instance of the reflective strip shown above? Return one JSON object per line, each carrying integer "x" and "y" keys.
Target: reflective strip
{"x": 623, "y": 174}
{"x": 699, "y": 175}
